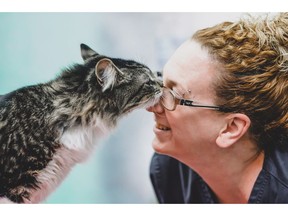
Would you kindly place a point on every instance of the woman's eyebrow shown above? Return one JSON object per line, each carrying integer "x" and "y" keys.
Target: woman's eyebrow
{"x": 170, "y": 83}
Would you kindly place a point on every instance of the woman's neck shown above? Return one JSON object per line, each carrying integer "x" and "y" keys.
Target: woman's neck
{"x": 231, "y": 173}
{"x": 236, "y": 186}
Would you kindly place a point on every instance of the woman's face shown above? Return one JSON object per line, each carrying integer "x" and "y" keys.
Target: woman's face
{"x": 188, "y": 131}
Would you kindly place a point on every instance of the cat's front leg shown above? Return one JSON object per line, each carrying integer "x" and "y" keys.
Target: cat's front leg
{"x": 18, "y": 194}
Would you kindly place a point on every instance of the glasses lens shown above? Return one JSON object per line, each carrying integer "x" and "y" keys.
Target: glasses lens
{"x": 167, "y": 99}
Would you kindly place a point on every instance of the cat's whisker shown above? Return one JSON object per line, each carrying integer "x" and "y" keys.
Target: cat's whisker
{"x": 150, "y": 101}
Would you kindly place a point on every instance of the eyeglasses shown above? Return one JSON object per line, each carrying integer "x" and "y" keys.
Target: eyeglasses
{"x": 170, "y": 99}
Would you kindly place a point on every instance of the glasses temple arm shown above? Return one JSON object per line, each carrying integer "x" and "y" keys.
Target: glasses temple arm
{"x": 190, "y": 103}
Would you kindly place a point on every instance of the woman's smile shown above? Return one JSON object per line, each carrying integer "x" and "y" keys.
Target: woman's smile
{"x": 162, "y": 127}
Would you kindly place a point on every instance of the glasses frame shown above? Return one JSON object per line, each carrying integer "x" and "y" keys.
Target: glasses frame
{"x": 184, "y": 102}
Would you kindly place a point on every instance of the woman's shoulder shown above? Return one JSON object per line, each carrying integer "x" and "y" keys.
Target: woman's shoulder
{"x": 276, "y": 161}
{"x": 275, "y": 173}
{"x": 173, "y": 181}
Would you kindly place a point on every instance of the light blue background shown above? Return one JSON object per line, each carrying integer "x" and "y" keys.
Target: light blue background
{"x": 34, "y": 47}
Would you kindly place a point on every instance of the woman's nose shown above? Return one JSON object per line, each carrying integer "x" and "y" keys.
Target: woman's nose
{"x": 157, "y": 108}
{"x": 150, "y": 109}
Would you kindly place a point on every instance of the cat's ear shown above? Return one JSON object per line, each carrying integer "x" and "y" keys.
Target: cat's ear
{"x": 106, "y": 73}
{"x": 87, "y": 52}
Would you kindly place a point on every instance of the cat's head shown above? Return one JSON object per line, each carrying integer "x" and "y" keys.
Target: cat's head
{"x": 124, "y": 84}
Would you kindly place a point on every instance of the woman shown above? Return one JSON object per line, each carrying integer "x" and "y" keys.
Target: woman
{"x": 221, "y": 124}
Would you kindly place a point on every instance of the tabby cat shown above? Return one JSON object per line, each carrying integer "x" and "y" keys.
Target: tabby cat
{"x": 47, "y": 128}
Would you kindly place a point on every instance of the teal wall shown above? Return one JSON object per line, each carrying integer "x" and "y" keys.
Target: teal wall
{"x": 34, "y": 46}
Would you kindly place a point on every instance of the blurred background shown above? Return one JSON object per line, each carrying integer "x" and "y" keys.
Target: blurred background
{"x": 35, "y": 47}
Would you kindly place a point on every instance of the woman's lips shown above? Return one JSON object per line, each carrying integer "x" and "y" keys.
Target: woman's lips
{"x": 162, "y": 127}
{"x": 162, "y": 133}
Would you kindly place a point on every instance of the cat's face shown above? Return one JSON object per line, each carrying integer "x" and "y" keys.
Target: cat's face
{"x": 125, "y": 84}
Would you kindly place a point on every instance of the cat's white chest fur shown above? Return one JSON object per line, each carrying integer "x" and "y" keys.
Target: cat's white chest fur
{"x": 77, "y": 144}
{"x": 81, "y": 139}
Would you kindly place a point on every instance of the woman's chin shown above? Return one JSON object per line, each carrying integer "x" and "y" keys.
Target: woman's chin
{"x": 161, "y": 147}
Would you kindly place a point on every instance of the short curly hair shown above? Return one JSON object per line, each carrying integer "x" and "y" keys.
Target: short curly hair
{"x": 253, "y": 71}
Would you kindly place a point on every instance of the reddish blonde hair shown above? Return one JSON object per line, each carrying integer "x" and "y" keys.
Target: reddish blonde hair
{"x": 253, "y": 71}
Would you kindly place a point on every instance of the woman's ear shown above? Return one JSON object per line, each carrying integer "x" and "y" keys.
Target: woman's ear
{"x": 236, "y": 125}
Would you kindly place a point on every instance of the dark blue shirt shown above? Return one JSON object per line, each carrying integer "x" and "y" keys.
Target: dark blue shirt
{"x": 175, "y": 182}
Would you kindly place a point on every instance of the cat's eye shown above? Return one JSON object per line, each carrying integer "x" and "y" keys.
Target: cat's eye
{"x": 150, "y": 83}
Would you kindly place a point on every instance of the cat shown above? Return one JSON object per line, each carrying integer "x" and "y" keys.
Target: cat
{"x": 47, "y": 128}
